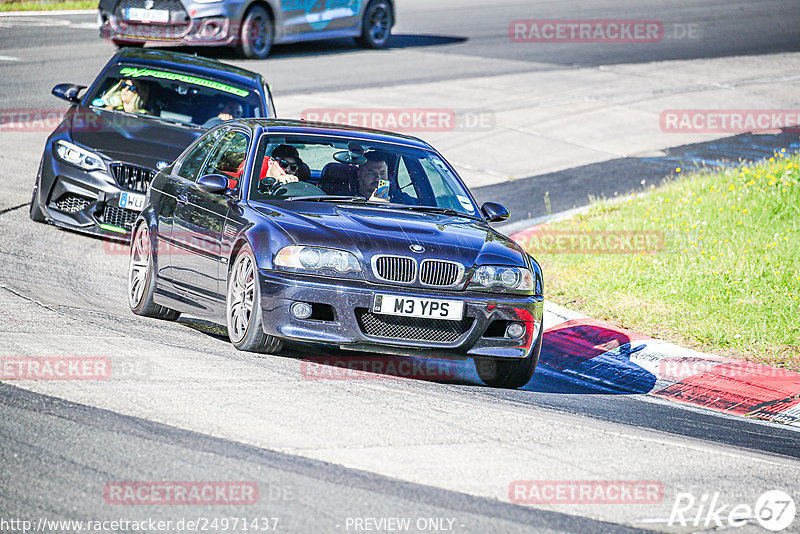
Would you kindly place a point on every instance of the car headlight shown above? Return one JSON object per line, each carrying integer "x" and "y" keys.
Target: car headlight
{"x": 316, "y": 259}
{"x": 497, "y": 278}
{"x": 80, "y": 157}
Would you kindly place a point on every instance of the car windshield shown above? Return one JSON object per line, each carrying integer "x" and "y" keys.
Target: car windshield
{"x": 174, "y": 96}
{"x": 341, "y": 170}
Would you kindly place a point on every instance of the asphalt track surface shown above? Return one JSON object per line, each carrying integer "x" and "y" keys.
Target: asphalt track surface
{"x": 63, "y": 293}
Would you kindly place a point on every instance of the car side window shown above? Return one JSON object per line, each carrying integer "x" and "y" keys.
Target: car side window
{"x": 228, "y": 156}
{"x": 191, "y": 164}
{"x": 404, "y": 182}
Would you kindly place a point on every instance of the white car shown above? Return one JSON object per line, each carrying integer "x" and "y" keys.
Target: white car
{"x": 251, "y": 26}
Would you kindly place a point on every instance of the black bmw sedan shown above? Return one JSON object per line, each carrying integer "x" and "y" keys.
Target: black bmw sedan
{"x": 362, "y": 239}
{"x": 144, "y": 108}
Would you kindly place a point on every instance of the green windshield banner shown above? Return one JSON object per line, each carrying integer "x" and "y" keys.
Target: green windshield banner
{"x": 136, "y": 73}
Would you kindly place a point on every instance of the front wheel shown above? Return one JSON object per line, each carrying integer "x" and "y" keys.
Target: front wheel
{"x": 376, "y": 27}
{"x": 141, "y": 285}
{"x": 255, "y": 38}
{"x": 244, "y": 307}
{"x": 509, "y": 373}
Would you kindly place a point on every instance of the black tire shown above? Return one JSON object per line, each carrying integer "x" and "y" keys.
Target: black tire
{"x": 243, "y": 307}
{"x": 35, "y": 212}
{"x": 256, "y": 34}
{"x": 509, "y": 373}
{"x": 141, "y": 285}
{"x": 376, "y": 26}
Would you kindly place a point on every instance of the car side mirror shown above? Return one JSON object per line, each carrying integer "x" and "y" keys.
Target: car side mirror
{"x": 494, "y": 212}
{"x": 213, "y": 183}
{"x": 68, "y": 92}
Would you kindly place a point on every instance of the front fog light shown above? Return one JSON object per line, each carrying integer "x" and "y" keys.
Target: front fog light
{"x": 300, "y": 310}
{"x": 515, "y": 330}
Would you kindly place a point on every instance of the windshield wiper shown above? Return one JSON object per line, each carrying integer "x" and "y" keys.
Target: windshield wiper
{"x": 330, "y": 198}
{"x": 434, "y": 209}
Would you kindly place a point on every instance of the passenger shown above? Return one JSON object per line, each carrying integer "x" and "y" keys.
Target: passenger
{"x": 371, "y": 172}
{"x": 127, "y": 95}
{"x": 231, "y": 110}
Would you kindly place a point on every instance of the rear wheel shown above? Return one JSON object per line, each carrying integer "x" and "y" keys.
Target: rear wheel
{"x": 376, "y": 28}
{"x": 141, "y": 285}
{"x": 506, "y": 372}
{"x": 255, "y": 38}
{"x": 244, "y": 307}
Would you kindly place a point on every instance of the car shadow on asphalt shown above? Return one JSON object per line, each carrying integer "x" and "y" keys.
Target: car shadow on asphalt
{"x": 324, "y": 47}
{"x": 583, "y": 358}
{"x": 589, "y": 357}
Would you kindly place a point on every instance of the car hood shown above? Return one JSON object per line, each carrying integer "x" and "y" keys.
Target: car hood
{"x": 138, "y": 140}
{"x": 369, "y": 231}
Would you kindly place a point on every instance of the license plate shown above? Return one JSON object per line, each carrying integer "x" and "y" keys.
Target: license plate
{"x": 451, "y": 310}
{"x": 132, "y": 201}
{"x": 147, "y": 15}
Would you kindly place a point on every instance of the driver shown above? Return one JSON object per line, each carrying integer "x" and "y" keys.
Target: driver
{"x": 127, "y": 95}
{"x": 371, "y": 172}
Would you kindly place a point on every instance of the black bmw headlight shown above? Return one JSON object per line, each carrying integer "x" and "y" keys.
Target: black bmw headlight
{"x": 80, "y": 157}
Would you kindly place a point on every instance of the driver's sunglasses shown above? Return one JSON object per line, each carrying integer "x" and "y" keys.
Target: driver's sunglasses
{"x": 130, "y": 87}
{"x": 288, "y": 166}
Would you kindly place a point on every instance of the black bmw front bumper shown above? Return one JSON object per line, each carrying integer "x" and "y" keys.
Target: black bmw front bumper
{"x": 84, "y": 201}
{"x": 343, "y": 316}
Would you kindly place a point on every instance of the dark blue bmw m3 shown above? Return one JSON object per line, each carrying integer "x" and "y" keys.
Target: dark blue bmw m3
{"x": 366, "y": 240}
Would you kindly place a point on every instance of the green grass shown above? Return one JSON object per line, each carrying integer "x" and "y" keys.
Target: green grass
{"x": 728, "y": 277}
{"x": 47, "y": 6}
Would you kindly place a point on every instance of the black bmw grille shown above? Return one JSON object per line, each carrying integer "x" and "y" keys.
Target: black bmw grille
{"x": 131, "y": 177}
{"x": 438, "y": 273}
{"x": 72, "y": 203}
{"x": 395, "y": 269}
{"x": 411, "y": 328}
{"x": 120, "y": 217}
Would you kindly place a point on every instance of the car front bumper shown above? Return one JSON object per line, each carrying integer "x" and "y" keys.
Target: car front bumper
{"x": 353, "y": 325}
{"x": 85, "y": 201}
{"x": 213, "y": 30}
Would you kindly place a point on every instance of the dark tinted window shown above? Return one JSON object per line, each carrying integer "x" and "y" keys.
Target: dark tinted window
{"x": 190, "y": 167}
{"x": 228, "y": 155}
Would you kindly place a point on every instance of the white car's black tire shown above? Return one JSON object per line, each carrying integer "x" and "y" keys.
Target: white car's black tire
{"x": 256, "y": 34}
{"x": 376, "y": 26}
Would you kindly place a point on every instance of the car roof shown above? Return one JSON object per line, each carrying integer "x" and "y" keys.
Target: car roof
{"x": 187, "y": 63}
{"x": 293, "y": 126}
